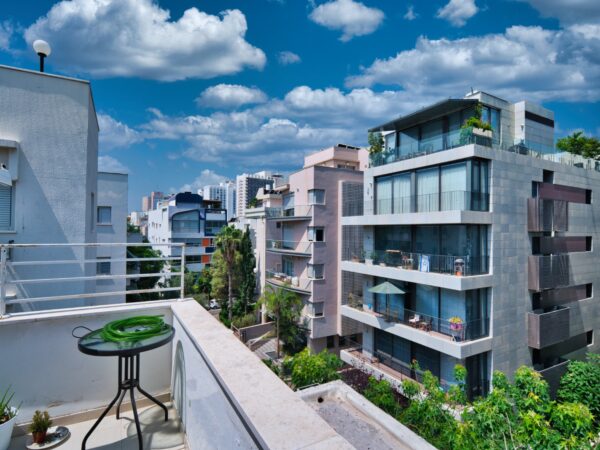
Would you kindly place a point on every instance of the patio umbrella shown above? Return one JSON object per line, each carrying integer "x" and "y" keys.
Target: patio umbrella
{"x": 386, "y": 288}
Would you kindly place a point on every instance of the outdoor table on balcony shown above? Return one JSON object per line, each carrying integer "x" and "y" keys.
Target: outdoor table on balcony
{"x": 128, "y": 375}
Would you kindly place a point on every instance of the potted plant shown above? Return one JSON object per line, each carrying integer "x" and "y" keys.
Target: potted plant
{"x": 39, "y": 426}
{"x": 475, "y": 126}
{"x": 456, "y": 323}
{"x": 8, "y": 416}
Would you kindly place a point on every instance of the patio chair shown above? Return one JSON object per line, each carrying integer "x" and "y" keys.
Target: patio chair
{"x": 414, "y": 320}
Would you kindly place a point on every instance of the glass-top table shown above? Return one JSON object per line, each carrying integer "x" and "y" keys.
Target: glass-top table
{"x": 128, "y": 353}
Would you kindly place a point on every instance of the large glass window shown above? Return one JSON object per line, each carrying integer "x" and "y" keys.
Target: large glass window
{"x": 288, "y": 204}
{"x": 187, "y": 222}
{"x": 409, "y": 141}
{"x": 401, "y": 193}
{"x": 287, "y": 266}
{"x": 316, "y": 271}
{"x": 212, "y": 227}
{"x": 383, "y": 194}
{"x": 427, "y": 190}
{"x": 454, "y": 195}
{"x": 431, "y": 136}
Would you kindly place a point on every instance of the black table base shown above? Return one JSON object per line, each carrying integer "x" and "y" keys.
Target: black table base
{"x": 129, "y": 379}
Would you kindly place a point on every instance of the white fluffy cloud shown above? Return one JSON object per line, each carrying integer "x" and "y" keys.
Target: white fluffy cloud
{"x": 457, "y": 12}
{"x": 205, "y": 178}
{"x": 287, "y": 57}
{"x": 115, "y": 134}
{"x": 523, "y": 62}
{"x": 410, "y": 13}
{"x": 137, "y": 38}
{"x": 110, "y": 164}
{"x": 230, "y": 96}
{"x": 6, "y": 31}
{"x": 351, "y": 17}
{"x": 569, "y": 11}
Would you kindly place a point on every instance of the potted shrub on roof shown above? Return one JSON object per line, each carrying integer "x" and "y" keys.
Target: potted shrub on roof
{"x": 39, "y": 426}
{"x": 474, "y": 126}
{"x": 8, "y": 415}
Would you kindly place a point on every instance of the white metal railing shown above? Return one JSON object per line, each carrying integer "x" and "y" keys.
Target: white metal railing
{"x": 34, "y": 275}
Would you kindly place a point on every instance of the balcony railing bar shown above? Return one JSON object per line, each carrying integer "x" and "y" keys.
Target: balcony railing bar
{"x": 90, "y": 295}
{"x": 93, "y": 277}
{"x": 90, "y": 261}
{"x": 289, "y": 246}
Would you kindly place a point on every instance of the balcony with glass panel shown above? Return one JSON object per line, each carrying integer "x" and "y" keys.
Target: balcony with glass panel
{"x": 295, "y": 283}
{"x": 285, "y": 247}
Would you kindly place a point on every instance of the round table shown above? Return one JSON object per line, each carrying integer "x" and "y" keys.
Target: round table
{"x": 128, "y": 353}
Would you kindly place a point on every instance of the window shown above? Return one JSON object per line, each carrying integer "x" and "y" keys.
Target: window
{"x": 6, "y": 207}
{"x": 316, "y": 234}
{"x": 104, "y": 215}
{"x": 316, "y": 197}
{"x": 288, "y": 266}
{"x": 187, "y": 222}
{"x": 428, "y": 190}
{"x": 212, "y": 227}
{"x": 330, "y": 342}
{"x": 103, "y": 265}
{"x": 315, "y": 271}
{"x": 454, "y": 187}
{"x": 315, "y": 309}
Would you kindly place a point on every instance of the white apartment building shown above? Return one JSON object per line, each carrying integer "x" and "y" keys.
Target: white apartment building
{"x": 189, "y": 219}
{"x": 111, "y": 228}
{"x": 49, "y": 146}
{"x": 223, "y": 192}
{"x": 247, "y": 186}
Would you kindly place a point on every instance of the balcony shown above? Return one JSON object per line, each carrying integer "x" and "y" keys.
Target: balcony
{"x": 295, "y": 248}
{"x": 297, "y": 212}
{"x": 434, "y": 326}
{"x": 548, "y": 327}
{"x": 422, "y": 262}
{"x": 548, "y": 272}
{"x": 462, "y": 137}
{"x": 203, "y": 372}
{"x": 289, "y": 282}
{"x": 438, "y": 201}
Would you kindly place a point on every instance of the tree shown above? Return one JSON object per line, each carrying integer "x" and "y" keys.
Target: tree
{"x": 579, "y": 144}
{"x": 247, "y": 267}
{"x": 144, "y": 267}
{"x": 229, "y": 241}
{"x": 219, "y": 284}
{"x": 204, "y": 281}
{"x": 376, "y": 142}
{"x": 285, "y": 308}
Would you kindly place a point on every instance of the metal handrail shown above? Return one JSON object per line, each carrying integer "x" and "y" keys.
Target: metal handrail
{"x": 303, "y": 283}
{"x": 293, "y": 211}
{"x": 10, "y": 266}
{"x": 290, "y": 246}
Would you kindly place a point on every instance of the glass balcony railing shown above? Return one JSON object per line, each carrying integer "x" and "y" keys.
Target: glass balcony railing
{"x": 297, "y": 211}
{"x": 289, "y": 246}
{"x": 458, "y": 138}
{"x": 465, "y": 265}
{"x": 437, "y": 201}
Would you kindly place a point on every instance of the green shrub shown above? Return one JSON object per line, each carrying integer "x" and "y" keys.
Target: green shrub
{"x": 381, "y": 394}
{"x": 581, "y": 384}
{"x": 308, "y": 369}
{"x": 572, "y": 419}
{"x": 244, "y": 321}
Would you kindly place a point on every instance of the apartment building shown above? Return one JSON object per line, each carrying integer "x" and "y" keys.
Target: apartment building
{"x": 247, "y": 186}
{"x": 49, "y": 187}
{"x": 111, "y": 228}
{"x": 223, "y": 192}
{"x": 150, "y": 202}
{"x": 189, "y": 219}
{"x": 485, "y": 240}
{"x": 301, "y": 237}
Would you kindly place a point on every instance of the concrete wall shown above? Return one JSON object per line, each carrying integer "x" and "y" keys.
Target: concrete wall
{"x": 53, "y": 120}
{"x": 41, "y": 363}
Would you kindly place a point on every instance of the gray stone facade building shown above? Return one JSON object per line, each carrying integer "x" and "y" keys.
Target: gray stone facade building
{"x": 487, "y": 239}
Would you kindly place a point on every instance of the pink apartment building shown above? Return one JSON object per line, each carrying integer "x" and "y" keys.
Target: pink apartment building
{"x": 301, "y": 235}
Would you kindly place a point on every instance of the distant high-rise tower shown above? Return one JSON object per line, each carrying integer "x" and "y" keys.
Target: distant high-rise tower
{"x": 247, "y": 187}
{"x": 225, "y": 193}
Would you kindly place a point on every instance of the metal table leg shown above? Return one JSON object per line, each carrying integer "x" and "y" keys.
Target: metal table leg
{"x": 128, "y": 380}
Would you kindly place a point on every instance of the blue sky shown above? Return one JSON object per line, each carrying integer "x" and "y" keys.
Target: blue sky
{"x": 191, "y": 92}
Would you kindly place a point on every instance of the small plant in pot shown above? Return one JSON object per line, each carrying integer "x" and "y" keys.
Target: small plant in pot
{"x": 8, "y": 414}
{"x": 456, "y": 323}
{"x": 371, "y": 258}
{"x": 39, "y": 426}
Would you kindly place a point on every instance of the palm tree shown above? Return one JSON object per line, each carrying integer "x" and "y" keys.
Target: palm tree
{"x": 229, "y": 241}
{"x": 284, "y": 306}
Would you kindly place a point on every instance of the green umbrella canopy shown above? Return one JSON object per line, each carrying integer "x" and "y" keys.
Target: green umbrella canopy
{"x": 386, "y": 288}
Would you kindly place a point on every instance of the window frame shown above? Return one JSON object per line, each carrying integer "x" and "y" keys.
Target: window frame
{"x": 98, "y": 208}
{"x": 100, "y": 262}
{"x": 311, "y": 194}
{"x": 311, "y": 267}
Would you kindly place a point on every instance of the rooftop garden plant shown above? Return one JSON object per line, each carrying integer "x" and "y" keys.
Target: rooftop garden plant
{"x": 7, "y": 411}
{"x": 376, "y": 143}
{"x": 39, "y": 426}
